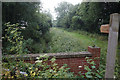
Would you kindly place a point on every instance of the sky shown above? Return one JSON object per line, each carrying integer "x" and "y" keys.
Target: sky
{"x": 50, "y": 4}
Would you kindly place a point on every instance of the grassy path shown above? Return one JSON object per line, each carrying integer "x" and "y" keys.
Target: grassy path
{"x": 64, "y": 41}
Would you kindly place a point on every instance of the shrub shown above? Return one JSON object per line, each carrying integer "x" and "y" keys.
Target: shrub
{"x": 41, "y": 69}
{"x": 91, "y": 70}
{"x": 13, "y": 42}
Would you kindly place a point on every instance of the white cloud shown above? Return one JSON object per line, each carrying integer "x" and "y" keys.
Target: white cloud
{"x": 50, "y": 4}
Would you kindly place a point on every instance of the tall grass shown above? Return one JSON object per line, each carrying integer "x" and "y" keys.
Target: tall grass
{"x": 62, "y": 41}
{"x": 100, "y": 36}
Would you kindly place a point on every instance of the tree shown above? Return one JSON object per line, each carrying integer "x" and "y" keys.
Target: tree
{"x": 63, "y": 10}
{"x": 30, "y": 16}
{"x": 87, "y": 15}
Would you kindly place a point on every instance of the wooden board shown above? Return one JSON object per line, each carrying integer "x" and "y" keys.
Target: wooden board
{"x": 104, "y": 28}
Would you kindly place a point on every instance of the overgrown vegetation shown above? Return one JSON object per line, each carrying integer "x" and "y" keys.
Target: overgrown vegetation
{"x": 46, "y": 67}
{"x": 35, "y": 22}
{"x": 63, "y": 41}
{"x": 74, "y": 41}
{"x": 28, "y": 32}
{"x": 15, "y": 44}
{"x": 92, "y": 71}
{"x": 71, "y": 41}
{"x": 86, "y": 18}
{"x": 41, "y": 69}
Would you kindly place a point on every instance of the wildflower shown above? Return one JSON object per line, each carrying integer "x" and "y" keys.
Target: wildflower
{"x": 26, "y": 74}
{"x": 38, "y": 61}
{"x": 37, "y": 58}
{"x": 36, "y": 69}
{"x": 80, "y": 66}
{"x": 33, "y": 74}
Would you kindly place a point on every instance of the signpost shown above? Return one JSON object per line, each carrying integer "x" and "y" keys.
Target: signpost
{"x": 104, "y": 28}
{"x": 112, "y": 44}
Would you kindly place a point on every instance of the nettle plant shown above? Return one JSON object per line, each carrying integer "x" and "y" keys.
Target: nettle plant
{"x": 91, "y": 70}
{"x": 52, "y": 70}
{"x": 41, "y": 69}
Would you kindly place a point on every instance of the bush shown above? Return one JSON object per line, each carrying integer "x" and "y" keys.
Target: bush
{"x": 41, "y": 69}
{"x": 13, "y": 42}
{"x": 91, "y": 70}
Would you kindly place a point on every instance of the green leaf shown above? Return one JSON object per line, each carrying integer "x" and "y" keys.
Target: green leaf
{"x": 53, "y": 60}
{"x": 98, "y": 75}
{"x": 93, "y": 66}
{"x": 87, "y": 68}
{"x": 88, "y": 74}
{"x": 92, "y": 62}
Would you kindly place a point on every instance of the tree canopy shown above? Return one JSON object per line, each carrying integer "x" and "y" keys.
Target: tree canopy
{"x": 30, "y": 16}
{"x": 86, "y": 16}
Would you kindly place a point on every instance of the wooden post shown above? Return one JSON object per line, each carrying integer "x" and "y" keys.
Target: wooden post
{"x": 112, "y": 45}
{"x": 0, "y": 59}
{"x": 0, "y": 39}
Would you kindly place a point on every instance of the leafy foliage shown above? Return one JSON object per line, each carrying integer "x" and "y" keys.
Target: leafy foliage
{"x": 41, "y": 69}
{"x": 30, "y": 16}
{"x": 14, "y": 43}
{"x": 92, "y": 71}
{"x": 62, "y": 10}
{"x": 86, "y": 16}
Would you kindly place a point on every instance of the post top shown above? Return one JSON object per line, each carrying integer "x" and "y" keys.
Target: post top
{"x": 114, "y": 22}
